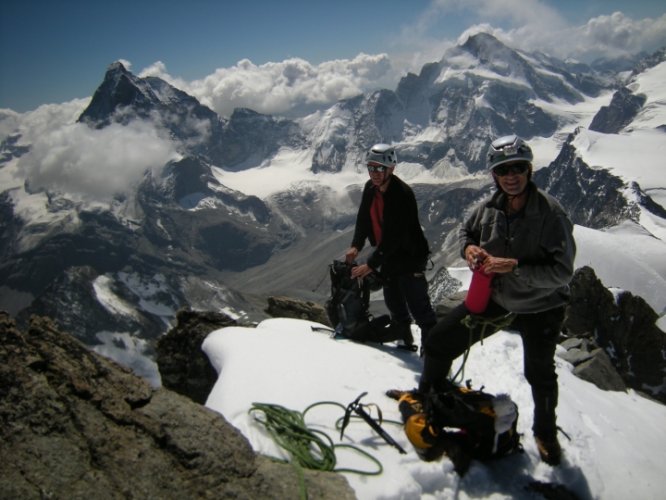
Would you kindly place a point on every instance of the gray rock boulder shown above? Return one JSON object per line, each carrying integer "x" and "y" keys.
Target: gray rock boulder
{"x": 287, "y": 307}
{"x": 183, "y": 366}
{"x": 599, "y": 370}
{"x": 624, "y": 326}
{"x": 77, "y": 425}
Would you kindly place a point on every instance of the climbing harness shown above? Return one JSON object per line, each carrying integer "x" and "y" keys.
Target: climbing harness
{"x": 474, "y": 321}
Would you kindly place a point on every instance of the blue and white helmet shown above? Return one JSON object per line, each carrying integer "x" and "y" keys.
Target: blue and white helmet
{"x": 508, "y": 148}
{"x": 381, "y": 154}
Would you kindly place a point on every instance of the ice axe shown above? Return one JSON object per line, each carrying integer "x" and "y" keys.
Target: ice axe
{"x": 357, "y": 408}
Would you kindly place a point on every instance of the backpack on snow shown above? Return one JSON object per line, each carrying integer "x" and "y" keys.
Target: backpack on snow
{"x": 348, "y": 306}
{"x": 463, "y": 423}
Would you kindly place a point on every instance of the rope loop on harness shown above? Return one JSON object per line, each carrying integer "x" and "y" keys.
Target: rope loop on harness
{"x": 485, "y": 326}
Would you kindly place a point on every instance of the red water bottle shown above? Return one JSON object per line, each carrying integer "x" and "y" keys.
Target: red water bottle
{"x": 479, "y": 291}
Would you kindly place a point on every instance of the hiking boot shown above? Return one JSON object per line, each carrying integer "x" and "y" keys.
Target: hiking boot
{"x": 458, "y": 452}
{"x": 549, "y": 450}
{"x": 407, "y": 336}
{"x": 398, "y": 331}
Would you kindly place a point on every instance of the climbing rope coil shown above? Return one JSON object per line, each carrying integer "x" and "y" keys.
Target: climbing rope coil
{"x": 314, "y": 449}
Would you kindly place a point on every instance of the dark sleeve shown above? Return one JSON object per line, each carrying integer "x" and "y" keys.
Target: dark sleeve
{"x": 470, "y": 231}
{"x": 363, "y": 228}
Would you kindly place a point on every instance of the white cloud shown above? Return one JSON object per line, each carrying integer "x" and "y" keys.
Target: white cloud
{"x": 422, "y": 42}
{"x": 96, "y": 164}
{"x": 603, "y": 36}
{"x": 618, "y": 32}
{"x": 292, "y": 86}
{"x": 529, "y": 25}
{"x": 37, "y": 123}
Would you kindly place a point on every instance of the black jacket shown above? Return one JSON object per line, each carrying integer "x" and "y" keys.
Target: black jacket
{"x": 404, "y": 248}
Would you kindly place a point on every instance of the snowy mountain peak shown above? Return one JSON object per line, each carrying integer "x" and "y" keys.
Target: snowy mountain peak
{"x": 116, "y": 67}
{"x": 489, "y": 50}
{"x": 120, "y": 89}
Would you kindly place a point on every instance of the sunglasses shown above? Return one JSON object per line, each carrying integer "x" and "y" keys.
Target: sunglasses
{"x": 513, "y": 168}
{"x": 376, "y": 168}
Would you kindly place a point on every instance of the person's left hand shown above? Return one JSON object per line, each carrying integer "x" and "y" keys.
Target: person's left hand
{"x": 361, "y": 271}
{"x": 498, "y": 265}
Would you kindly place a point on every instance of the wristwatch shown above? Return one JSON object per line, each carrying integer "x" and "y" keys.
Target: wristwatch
{"x": 516, "y": 270}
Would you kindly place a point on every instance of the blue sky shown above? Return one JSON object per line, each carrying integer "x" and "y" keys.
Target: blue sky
{"x": 55, "y": 51}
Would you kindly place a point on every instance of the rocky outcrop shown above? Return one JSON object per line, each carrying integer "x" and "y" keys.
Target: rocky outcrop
{"x": 286, "y": 307}
{"x": 591, "y": 363}
{"x": 77, "y": 425}
{"x": 183, "y": 366}
{"x": 622, "y": 110}
{"x": 593, "y": 197}
{"x": 624, "y": 326}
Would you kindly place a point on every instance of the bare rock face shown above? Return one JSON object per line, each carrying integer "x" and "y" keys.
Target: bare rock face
{"x": 287, "y": 307}
{"x": 624, "y": 327}
{"x": 184, "y": 368}
{"x": 77, "y": 425}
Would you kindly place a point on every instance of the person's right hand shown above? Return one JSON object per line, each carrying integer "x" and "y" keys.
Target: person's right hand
{"x": 351, "y": 254}
{"x": 361, "y": 271}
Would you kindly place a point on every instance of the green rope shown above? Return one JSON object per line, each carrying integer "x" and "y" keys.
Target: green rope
{"x": 287, "y": 427}
{"x": 308, "y": 448}
{"x": 474, "y": 321}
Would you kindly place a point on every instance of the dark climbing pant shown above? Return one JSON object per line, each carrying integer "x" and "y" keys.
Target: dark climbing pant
{"x": 539, "y": 332}
{"x": 406, "y": 297}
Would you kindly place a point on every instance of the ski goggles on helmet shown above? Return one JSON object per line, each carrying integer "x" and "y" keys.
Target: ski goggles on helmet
{"x": 375, "y": 167}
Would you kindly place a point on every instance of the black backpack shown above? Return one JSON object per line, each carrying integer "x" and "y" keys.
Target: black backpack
{"x": 460, "y": 422}
{"x": 348, "y": 306}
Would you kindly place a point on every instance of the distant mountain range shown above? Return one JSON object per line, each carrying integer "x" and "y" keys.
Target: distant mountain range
{"x": 182, "y": 238}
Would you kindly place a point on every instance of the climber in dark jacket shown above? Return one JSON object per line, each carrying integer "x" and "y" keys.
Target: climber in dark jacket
{"x": 524, "y": 239}
{"x": 388, "y": 219}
